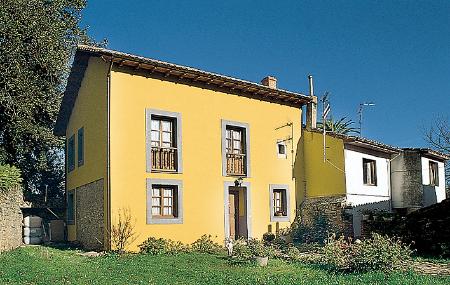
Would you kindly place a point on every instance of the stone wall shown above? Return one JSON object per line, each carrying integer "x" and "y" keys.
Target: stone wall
{"x": 330, "y": 210}
{"x": 10, "y": 218}
{"x": 89, "y": 215}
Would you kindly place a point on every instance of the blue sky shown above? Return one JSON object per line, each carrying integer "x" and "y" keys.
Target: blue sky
{"x": 394, "y": 53}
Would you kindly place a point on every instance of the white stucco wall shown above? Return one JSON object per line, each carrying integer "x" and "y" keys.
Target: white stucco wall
{"x": 440, "y": 190}
{"x": 357, "y": 192}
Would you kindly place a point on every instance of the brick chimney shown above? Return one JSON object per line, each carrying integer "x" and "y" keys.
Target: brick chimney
{"x": 270, "y": 82}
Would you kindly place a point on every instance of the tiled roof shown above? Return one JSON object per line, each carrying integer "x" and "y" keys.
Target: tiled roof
{"x": 170, "y": 72}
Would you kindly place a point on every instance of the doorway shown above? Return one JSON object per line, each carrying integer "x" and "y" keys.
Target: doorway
{"x": 237, "y": 212}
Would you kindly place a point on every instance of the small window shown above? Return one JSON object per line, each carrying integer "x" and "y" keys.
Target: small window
{"x": 164, "y": 201}
{"x": 80, "y": 152}
{"x": 281, "y": 149}
{"x": 71, "y": 153}
{"x": 70, "y": 208}
{"x": 434, "y": 173}
{"x": 279, "y": 203}
{"x": 369, "y": 172}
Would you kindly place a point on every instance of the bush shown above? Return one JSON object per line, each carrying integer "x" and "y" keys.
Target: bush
{"x": 161, "y": 246}
{"x": 377, "y": 253}
{"x": 241, "y": 251}
{"x": 257, "y": 248}
{"x": 9, "y": 177}
{"x": 206, "y": 245}
{"x": 123, "y": 230}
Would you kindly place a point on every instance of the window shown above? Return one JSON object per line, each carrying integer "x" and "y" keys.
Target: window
{"x": 434, "y": 173}
{"x": 71, "y": 153}
{"x": 70, "y": 208}
{"x": 281, "y": 149}
{"x": 162, "y": 132}
{"x": 235, "y": 149}
{"x": 80, "y": 152}
{"x": 163, "y": 141}
{"x": 369, "y": 172}
{"x": 279, "y": 203}
{"x": 164, "y": 201}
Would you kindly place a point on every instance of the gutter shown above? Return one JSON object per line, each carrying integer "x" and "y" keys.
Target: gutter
{"x": 108, "y": 157}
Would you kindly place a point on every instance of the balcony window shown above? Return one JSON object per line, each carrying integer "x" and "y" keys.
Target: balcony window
{"x": 163, "y": 141}
{"x": 235, "y": 151}
{"x": 164, "y": 150}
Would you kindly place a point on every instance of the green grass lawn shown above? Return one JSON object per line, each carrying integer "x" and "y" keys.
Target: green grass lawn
{"x": 43, "y": 265}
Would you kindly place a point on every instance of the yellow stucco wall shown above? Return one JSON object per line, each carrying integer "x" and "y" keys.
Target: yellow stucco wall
{"x": 89, "y": 112}
{"x": 317, "y": 178}
{"x": 203, "y": 184}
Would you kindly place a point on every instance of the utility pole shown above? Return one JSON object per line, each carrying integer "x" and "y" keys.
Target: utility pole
{"x": 325, "y": 110}
{"x": 360, "y": 113}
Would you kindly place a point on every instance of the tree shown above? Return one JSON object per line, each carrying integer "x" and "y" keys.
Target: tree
{"x": 438, "y": 137}
{"x": 37, "y": 38}
{"x": 342, "y": 126}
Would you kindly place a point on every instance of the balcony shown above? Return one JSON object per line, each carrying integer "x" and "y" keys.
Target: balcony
{"x": 236, "y": 164}
{"x": 164, "y": 159}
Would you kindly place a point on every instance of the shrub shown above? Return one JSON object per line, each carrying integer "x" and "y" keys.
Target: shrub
{"x": 206, "y": 245}
{"x": 377, "y": 253}
{"x": 257, "y": 248}
{"x": 293, "y": 254}
{"x": 241, "y": 251}
{"x": 161, "y": 246}
{"x": 268, "y": 238}
{"x": 9, "y": 177}
{"x": 123, "y": 231}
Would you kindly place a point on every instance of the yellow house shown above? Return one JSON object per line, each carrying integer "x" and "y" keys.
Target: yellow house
{"x": 184, "y": 151}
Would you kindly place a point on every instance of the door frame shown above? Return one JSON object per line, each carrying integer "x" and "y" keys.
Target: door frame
{"x": 247, "y": 192}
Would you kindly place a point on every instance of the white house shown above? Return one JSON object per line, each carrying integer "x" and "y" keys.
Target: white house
{"x": 367, "y": 177}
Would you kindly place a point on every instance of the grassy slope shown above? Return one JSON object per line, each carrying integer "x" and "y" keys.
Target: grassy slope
{"x": 40, "y": 265}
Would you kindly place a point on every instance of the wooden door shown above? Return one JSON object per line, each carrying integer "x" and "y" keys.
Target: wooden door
{"x": 233, "y": 205}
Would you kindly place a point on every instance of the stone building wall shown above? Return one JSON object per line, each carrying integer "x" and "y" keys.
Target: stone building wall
{"x": 10, "y": 218}
{"x": 332, "y": 208}
{"x": 89, "y": 215}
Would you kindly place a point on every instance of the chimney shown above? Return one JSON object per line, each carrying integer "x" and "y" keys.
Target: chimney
{"x": 311, "y": 108}
{"x": 270, "y": 82}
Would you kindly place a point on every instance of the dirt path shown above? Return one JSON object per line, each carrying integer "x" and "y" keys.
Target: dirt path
{"x": 431, "y": 268}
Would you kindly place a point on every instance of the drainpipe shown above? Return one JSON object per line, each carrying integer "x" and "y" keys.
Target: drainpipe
{"x": 108, "y": 156}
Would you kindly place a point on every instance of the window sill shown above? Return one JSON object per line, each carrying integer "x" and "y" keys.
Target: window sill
{"x": 158, "y": 220}
{"x": 370, "y": 185}
{"x": 165, "y": 171}
{"x": 279, "y": 219}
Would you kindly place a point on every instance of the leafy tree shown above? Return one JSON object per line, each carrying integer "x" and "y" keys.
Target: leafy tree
{"x": 37, "y": 38}
{"x": 342, "y": 126}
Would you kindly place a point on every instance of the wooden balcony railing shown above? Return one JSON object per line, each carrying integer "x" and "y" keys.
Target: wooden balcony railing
{"x": 236, "y": 164}
{"x": 164, "y": 158}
